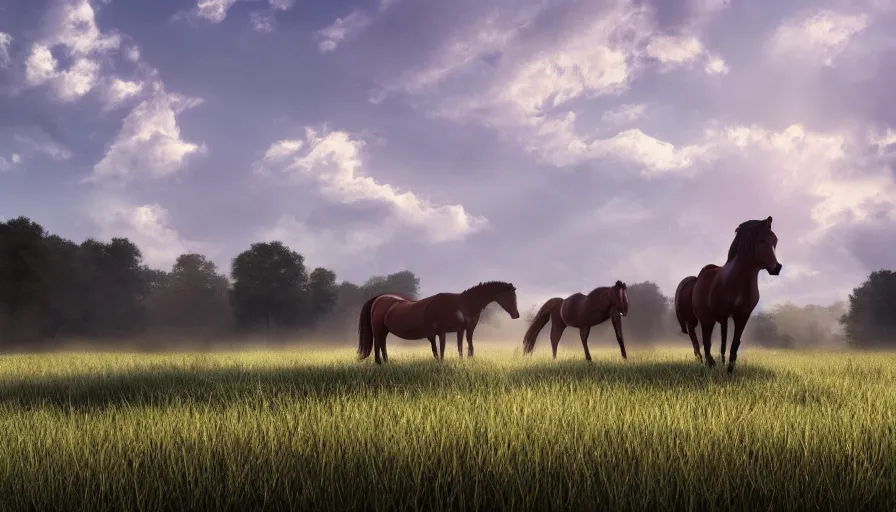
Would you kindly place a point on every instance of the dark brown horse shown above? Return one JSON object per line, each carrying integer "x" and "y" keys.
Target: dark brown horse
{"x": 582, "y": 312}
{"x": 684, "y": 312}
{"x": 732, "y": 291}
{"x": 428, "y": 318}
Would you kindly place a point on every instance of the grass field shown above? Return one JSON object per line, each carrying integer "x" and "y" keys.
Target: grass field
{"x": 305, "y": 430}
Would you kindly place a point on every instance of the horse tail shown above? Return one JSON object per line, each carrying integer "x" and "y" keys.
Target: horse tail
{"x": 365, "y": 329}
{"x": 538, "y": 322}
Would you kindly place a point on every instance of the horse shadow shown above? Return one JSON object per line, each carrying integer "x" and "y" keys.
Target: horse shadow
{"x": 659, "y": 375}
{"x": 240, "y": 385}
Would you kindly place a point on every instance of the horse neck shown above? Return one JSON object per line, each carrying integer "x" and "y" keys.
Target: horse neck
{"x": 746, "y": 266}
{"x": 476, "y": 299}
{"x": 600, "y": 297}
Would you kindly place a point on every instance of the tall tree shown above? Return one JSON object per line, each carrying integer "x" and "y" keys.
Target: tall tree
{"x": 112, "y": 286}
{"x": 322, "y": 292}
{"x": 61, "y": 317}
{"x": 870, "y": 320}
{"x": 648, "y": 311}
{"x": 403, "y": 283}
{"x": 192, "y": 300}
{"x": 25, "y": 283}
{"x": 269, "y": 287}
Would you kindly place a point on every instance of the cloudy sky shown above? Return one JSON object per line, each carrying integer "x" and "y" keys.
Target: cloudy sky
{"x": 560, "y": 145}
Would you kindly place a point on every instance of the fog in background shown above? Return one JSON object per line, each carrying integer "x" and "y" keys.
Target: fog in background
{"x": 55, "y": 294}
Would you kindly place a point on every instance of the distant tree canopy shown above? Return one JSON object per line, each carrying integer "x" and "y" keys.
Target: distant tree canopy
{"x": 871, "y": 319}
{"x": 648, "y": 312}
{"x": 52, "y": 289}
{"x": 789, "y": 326}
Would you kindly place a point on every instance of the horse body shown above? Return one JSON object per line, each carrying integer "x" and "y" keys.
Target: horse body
{"x": 430, "y": 318}
{"x": 732, "y": 290}
{"x": 582, "y": 312}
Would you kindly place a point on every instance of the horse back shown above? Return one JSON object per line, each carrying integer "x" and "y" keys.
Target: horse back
{"x": 684, "y": 310}
{"x": 574, "y": 310}
{"x": 445, "y": 310}
{"x": 423, "y": 318}
{"x": 707, "y": 268}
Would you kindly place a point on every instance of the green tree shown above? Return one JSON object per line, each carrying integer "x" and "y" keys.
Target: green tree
{"x": 403, "y": 283}
{"x": 113, "y": 288}
{"x": 648, "y": 311}
{"x": 322, "y": 293}
{"x": 269, "y": 287}
{"x": 25, "y": 282}
{"x": 191, "y": 301}
{"x": 870, "y": 320}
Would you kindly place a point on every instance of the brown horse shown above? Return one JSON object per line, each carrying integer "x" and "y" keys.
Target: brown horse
{"x": 732, "y": 291}
{"x": 582, "y": 312}
{"x": 428, "y": 318}
{"x": 684, "y": 312}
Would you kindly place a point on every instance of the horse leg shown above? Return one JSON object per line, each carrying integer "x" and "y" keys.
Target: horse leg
{"x": 740, "y": 321}
{"x": 583, "y": 333}
{"x": 470, "y": 329}
{"x": 435, "y": 351}
{"x": 460, "y": 344}
{"x": 441, "y": 346}
{"x": 724, "y": 333}
{"x": 557, "y": 329}
{"x": 707, "y": 341}
{"x": 379, "y": 344}
{"x": 617, "y": 326}
{"x": 692, "y": 333}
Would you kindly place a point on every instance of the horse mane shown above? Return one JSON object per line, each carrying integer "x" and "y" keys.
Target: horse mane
{"x": 490, "y": 286}
{"x": 745, "y": 238}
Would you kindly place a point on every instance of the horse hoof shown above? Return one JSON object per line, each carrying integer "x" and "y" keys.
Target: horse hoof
{"x": 710, "y": 362}
{"x": 730, "y": 369}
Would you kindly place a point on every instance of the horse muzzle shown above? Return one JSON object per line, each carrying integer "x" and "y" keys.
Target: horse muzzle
{"x": 775, "y": 270}
{"x": 514, "y": 315}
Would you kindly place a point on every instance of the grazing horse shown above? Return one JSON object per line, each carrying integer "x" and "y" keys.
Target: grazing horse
{"x": 582, "y": 312}
{"x": 428, "y": 318}
{"x": 684, "y": 312}
{"x": 732, "y": 291}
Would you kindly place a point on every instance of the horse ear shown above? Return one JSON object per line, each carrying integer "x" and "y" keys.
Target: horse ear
{"x": 768, "y": 221}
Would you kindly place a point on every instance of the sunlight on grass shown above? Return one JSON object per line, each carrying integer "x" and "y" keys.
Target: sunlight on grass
{"x": 316, "y": 429}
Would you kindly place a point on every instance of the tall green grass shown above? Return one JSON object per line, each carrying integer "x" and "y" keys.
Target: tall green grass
{"x": 310, "y": 430}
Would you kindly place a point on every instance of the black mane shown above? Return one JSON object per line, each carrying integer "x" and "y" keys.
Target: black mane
{"x": 491, "y": 286}
{"x": 745, "y": 238}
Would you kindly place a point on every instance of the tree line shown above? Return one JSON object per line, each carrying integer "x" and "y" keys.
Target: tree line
{"x": 53, "y": 291}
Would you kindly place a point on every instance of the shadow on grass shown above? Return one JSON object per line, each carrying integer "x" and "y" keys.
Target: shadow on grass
{"x": 234, "y": 385}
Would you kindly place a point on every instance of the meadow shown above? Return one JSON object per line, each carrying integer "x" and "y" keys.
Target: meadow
{"x": 315, "y": 429}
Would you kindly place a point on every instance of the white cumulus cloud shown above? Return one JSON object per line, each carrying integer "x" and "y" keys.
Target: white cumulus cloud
{"x": 822, "y": 36}
{"x": 334, "y": 159}
{"x": 149, "y": 144}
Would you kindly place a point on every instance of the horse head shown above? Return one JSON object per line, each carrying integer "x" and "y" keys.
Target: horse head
{"x": 506, "y": 298}
{"x": 755, "y": 239}
{"x": 619, "y": 297}
{"x": 496, "y": 291}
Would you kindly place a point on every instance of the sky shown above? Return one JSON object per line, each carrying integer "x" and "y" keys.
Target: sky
{"x": 558, "y": 145}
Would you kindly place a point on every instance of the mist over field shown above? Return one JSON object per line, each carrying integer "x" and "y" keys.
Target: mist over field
{"x": 197, "y": 198}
